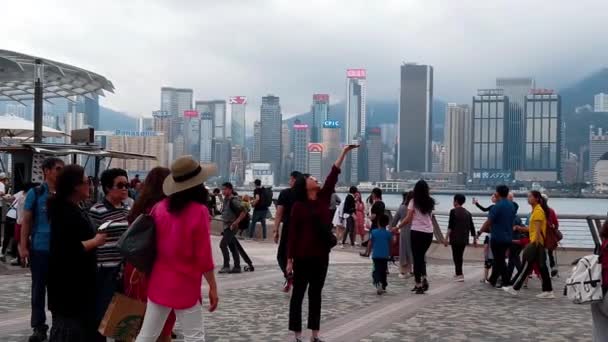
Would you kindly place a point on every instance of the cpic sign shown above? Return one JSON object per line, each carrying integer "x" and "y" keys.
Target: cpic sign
{"x": 331, "y": 124}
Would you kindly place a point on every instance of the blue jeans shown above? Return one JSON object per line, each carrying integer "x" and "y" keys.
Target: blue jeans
{"x": 39, "y": 266}
{"x": 107, "y": 284}
{"x": 258, "y": 216}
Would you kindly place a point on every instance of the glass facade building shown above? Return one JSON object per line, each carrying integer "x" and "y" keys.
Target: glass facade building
{"x": 320, "y": 113}
{"x": 543, "y": 132}
{"x": 490, "y": 111}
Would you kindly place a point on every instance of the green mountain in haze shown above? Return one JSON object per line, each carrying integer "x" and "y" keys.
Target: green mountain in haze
{"x": 111, "y": 120}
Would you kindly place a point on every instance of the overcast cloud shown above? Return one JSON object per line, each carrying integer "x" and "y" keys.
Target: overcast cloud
{"x": 295, "y": 48}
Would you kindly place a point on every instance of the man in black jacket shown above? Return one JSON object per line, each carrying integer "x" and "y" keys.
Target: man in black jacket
{"x": 349, "y": 213}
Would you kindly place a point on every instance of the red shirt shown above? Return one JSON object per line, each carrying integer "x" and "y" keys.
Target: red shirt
{"x": 304, "y": 237}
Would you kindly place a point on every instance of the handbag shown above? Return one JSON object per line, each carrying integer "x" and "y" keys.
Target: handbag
{"x": 328, "y": 237}
{"x": 123, "y": 318}
{"x": 138, "y": 244}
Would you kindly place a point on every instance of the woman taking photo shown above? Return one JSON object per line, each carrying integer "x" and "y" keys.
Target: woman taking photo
{"x": 72, "y": 260}
{"x": 420, "y": 217}
{"x": 183, "y": 254}
{"x": 135, "y": 282}
{"x": 308, "y": 247}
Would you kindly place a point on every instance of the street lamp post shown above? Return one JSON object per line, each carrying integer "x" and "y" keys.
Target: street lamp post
{"x": 38, "y": 94}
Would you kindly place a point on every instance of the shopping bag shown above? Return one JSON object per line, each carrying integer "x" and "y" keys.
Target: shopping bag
{"x": 123, "y": 318}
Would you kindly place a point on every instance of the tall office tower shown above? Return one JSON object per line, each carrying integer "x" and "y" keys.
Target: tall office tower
{"x": 600, "y": 103}
{"x": 145, "y": 124}
{"x": 315, "y": 160}
{"x": 516, "y": 89}
{"x": 415, "y": 121}
{"x": 257, "y": 141}
{"x": 222, "y": 154}
{"x": 238, "y": 106}
{"x": 219, "y": 119}
{"x": 301, "y": 140}
{"x": 205, "y": 113}
{"x": 490, "y": 129}
{"x": 457, "y": 138}
{"x": 144, "y": 142}
{"x": 331, "y": 137}
{"x": 598, "y": 148}
{"x": 162, "y": 122}
{"x": 237, "y": 165}
{"x": 271, "y": 121}
{"x": 175, "y": 101}
{"x": 320, "y": 113}
{"x": 355, "y": 116}
{"x": 286, "y": 141}
{"x": 438, "y": 151}
{"x": 389, "y": 134}
{"x": 543, "y": 138}
{"x": 192, "y": 128}
{"x": 375, "y": 160}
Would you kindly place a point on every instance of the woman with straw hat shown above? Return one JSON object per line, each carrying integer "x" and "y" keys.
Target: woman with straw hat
{"x": 183, "y": 253}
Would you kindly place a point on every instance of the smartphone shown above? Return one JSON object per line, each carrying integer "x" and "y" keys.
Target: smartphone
{"x": 353, "y": 145}
{"x": 104, "y": 226}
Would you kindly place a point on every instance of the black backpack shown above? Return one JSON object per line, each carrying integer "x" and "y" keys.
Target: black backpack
{"x": 266, "y": 199}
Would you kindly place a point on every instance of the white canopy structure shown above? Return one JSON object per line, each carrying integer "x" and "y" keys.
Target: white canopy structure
{"x": 15, "y": 127}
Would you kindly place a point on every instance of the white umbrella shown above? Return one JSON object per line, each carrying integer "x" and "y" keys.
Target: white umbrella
{"x": 15, "y": 127}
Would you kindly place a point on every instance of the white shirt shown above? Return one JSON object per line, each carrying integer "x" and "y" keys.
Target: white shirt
{"x": 421, "y": 222}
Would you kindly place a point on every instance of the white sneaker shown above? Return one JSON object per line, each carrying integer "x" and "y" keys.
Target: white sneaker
{"x": 342, "y": 246}
{"x": 460, "y": 279}
{"x": 546, "y": 295}
{"x": 510, "y": 290}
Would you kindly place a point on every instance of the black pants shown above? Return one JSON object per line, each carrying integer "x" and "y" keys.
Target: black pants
{"x": 514, "y": 260}
{"x": 551, "y": 259}
{"x": 420, "y": 244}
{"x": 534, "y": 254}
{"x": 282, "y": 250}
{"x": 39, "y": 265}
{"x": 457, "y": 256}
{"x": 8, "y": 235}
{"x": 350, "y": 230}
{"x": 380, "y": 271}
{"x": 499, "y": 250}
{"x": 229, "y": 242}
{"x": 307, "y": 272}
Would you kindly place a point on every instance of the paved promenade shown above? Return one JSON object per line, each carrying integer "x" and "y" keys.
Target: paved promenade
{"x": 253, "y": 308}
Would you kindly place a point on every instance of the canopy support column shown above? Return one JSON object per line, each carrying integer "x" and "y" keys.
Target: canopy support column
{"x": 38, "y": 97}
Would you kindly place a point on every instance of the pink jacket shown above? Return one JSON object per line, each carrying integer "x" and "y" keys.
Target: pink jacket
{"x": 183, "y": 255}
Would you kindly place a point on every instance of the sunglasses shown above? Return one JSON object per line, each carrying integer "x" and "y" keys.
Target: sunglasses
{"x": 121, "y": 186}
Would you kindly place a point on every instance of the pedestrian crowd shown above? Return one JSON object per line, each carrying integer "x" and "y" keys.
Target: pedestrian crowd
{"x": 57, "y": 223}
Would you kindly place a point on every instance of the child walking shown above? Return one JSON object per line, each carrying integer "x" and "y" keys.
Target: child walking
{"x": 460, "y": 225}
{"x": 381, "y": 242}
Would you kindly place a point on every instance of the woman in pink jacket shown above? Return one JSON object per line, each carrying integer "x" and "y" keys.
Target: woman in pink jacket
{"x": 183, "y": 254}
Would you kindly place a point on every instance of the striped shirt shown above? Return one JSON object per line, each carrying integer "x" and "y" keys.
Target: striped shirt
{"x": 108, "y": 255}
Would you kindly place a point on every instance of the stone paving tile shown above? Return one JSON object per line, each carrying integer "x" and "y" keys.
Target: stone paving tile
{"x": 14, "y": 292}
{"x": 260, "y": 312}
{"x": 485, "y": 314}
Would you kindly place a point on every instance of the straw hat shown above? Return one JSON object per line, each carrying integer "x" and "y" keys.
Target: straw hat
{"x": 187, "y": 173}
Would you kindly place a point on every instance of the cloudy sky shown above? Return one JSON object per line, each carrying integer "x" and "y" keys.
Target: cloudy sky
{"x": 295, "y": 48}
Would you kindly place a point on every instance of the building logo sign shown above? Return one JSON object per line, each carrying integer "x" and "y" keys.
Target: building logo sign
{"x": 238, "y": 100}
{"x": 356, "y": 73}
{"x": 190, "y": 114}
{"x": 160, "y": 113}
{"x": 494, "y": 175}
{"x": 320, "y": 97}
{"x": 300, "y": 126}
{"x": 129, "y": 133}
{"x": 331, "y": 124}
{"x": 315, "y": 147}
{"x": 542, "y": 92}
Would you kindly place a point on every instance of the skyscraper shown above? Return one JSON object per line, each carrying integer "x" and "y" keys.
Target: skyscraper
{"x": 162, "y": 122}
{"x": 237, "y": 165}
{"x": 356, "y": 120}
{"x": 600, "y": 102}
{"x": 257, "y": 141}
{"x": 490, "y": 127}
{"x": 271, "y": 122}
{"x": 192, "y": 128}
{"x": 516, "y": 89}
{"x": 301, "y": 140}
{"x": 315, "y": 159}
{"x": 219, "y": 118}
{"x": 205, "y": 112}
{"x": 320, "y": 113}
{"x": 598, "y": 148}
{"x": 221, "y": 157}
{"x": 457, "y": 138}
{"x": 175, "y": 101}
{"x": 543, "y": 137}
{"x": 415, "y": 121}
{"x": 375, "y": 160}
{"x": 331, "y": 137}
{"x": 238, "y": 106}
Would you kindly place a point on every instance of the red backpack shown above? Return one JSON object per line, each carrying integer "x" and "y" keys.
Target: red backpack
{"x": 553, "y": 236}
